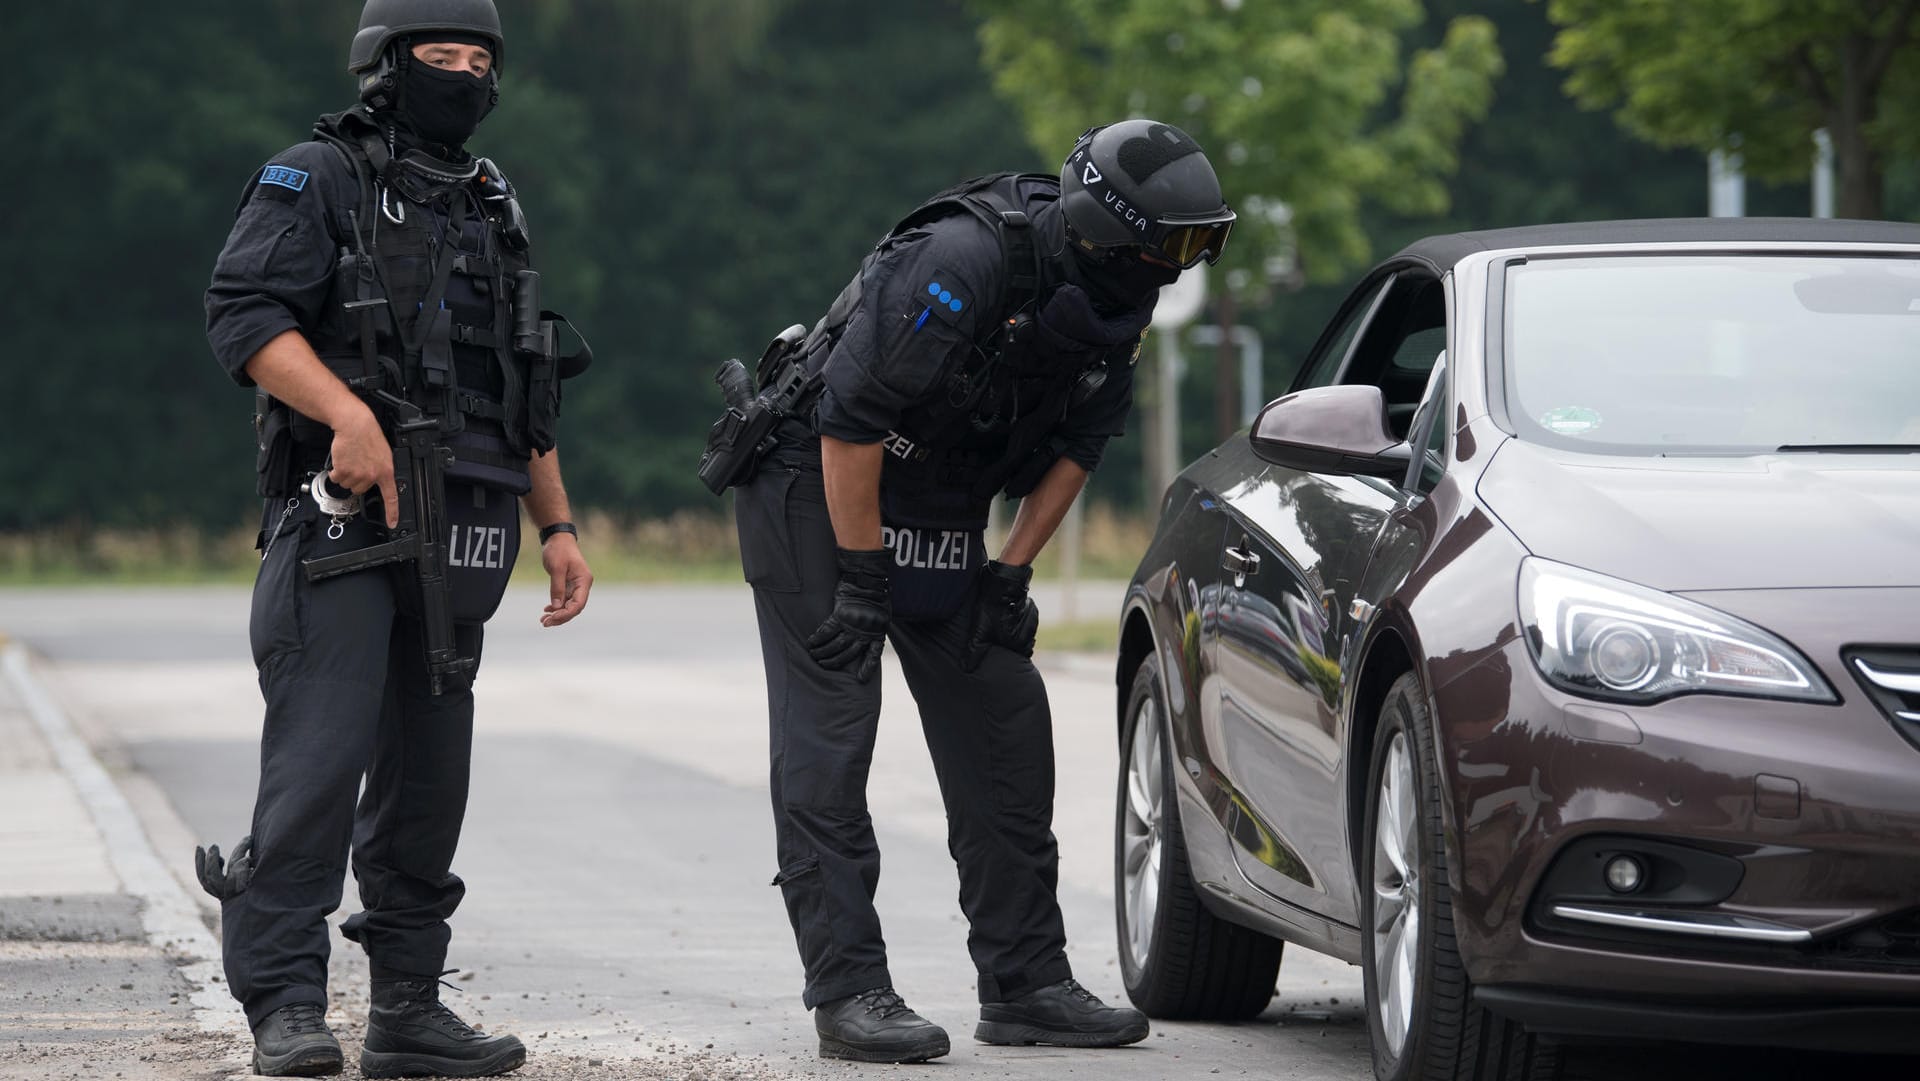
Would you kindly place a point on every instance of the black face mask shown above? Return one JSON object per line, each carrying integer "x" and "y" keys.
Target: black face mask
{"x": 444, "y": 107}
{"x": 1119, "y": 284}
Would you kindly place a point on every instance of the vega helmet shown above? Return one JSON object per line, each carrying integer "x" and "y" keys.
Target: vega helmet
{"x": 385, "y": 23}
{"x": 1141, "y": 185}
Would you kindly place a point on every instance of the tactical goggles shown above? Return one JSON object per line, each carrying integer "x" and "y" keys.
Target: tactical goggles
{"x": 1185, "y": 241}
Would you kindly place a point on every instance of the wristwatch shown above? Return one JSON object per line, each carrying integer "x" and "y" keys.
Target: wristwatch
{"x": 547, "y": 532}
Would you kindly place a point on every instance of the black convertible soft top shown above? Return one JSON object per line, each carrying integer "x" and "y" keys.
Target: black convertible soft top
{"x": 1443, "y": 251}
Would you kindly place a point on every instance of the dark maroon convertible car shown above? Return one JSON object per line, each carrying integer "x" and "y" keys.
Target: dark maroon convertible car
{"x": 1551, "y": 651}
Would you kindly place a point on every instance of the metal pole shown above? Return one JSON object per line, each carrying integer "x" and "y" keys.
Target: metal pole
{"x": 1726, "y": 186}
{"x": 1072, "y": 533}
{"x": 1179, "y": 304}
{"x": 1822, "y": 174}
{"x": 1252, "y": 362}
{"x": 1166, "y": 452}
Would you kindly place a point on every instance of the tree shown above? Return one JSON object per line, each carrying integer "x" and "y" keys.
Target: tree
{"x": 1288, "y": 99}
{"x": 1757, "y": 77}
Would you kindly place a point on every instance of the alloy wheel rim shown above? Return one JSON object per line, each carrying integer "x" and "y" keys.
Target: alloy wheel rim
{"x": 1142, "y": 837}
{"x": 1396, "y": 895}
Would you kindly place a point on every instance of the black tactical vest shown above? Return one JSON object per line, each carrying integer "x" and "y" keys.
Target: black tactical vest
{"x": 990, "y": 428}
{"x": 423, "y": 300}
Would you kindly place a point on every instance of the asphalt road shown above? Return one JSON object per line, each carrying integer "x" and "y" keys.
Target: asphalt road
{"x": 618, "y": 843}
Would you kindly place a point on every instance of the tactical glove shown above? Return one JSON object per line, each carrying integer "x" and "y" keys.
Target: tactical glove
{"x": 224, "y": 880}
{"x": 1003, "y": 614}
{"x": 854, "y": 633}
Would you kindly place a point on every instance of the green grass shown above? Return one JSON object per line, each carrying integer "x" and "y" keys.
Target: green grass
{"x": 1084, "y": 636}
{"x": 688, "y": 547}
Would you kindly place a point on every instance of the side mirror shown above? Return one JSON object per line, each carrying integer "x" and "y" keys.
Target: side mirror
{"x": 1340, "y": 430}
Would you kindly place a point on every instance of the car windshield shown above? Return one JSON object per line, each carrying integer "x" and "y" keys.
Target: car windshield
{"x": 1714, "y": 354}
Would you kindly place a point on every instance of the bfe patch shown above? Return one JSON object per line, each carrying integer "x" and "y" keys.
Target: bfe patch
{"x": 281, "y": 182}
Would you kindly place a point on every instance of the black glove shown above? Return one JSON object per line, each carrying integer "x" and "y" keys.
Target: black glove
{"x": 1003, "y": 614}
{"x": 854, "y": 633}
{"x": 224, "y": 880}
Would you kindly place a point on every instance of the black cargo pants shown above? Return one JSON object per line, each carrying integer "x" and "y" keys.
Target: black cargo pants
{"x": 990, "y": 735}
{"x": 344, "y": 676}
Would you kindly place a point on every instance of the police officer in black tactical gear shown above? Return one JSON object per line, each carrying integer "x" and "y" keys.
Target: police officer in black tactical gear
{"x": 987, "y": 345}
{"x": 377, "y": 290}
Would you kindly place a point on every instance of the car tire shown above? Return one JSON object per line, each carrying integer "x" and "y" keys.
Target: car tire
{"x": 1421, "y": 1018}
{"x": 1182, "y": 962}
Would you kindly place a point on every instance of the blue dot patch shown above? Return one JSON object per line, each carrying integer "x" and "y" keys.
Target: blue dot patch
{"x": 946, "y": 299}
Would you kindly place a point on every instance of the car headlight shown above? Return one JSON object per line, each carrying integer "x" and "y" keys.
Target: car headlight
{"x": 1606, "y": 638}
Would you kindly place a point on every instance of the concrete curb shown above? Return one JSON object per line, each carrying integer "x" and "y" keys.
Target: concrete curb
{"x": 171, "y": 920}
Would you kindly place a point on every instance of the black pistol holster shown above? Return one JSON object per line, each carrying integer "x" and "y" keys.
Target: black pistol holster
{"x": 744, "y": 433}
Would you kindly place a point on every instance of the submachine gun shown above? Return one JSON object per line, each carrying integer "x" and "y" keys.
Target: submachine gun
{"x": 420, "y": 462}
{"x": 421, "y": 459}
{"x": 744, "y": 433}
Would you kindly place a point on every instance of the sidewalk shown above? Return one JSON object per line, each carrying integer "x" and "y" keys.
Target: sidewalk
{"x": 83, "y": 992}
{"x": 108, "y": 969}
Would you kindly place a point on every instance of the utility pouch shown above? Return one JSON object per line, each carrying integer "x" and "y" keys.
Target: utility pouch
{"x": 932, "y": 569}
{"x": 273, "y": 464}
{"x": 744, "y": 433}
{"x": 481, "y": 541}
{"x": 535, "y": 339}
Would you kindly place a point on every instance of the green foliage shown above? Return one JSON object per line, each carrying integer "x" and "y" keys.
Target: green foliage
{"x": 697, "y": 176}
{"x": 1290, "y": 100}
{"x": 1756, "y": 76}
{"x": 1535, "y": 158}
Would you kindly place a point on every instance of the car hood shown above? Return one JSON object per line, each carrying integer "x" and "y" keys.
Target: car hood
{"x": 1770, "y": 521}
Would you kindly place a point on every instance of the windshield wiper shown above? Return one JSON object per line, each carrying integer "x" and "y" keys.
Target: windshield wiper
{"x": 1850, "y": 448}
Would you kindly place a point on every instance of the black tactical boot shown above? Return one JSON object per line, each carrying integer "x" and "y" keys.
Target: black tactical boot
{"x": 1062, "y": 1014}
{"x": 294, "y": 1041}
{"x": 411, "y": 1034}
{"x": 876, "y": 1026}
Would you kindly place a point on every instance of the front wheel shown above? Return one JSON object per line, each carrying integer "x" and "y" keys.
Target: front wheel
{"x": 1420, "y": 1014}
{"x": 1178, "y": 960}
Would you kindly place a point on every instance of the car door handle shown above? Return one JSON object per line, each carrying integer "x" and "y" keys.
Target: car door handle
{"x": 1240, "y": 562}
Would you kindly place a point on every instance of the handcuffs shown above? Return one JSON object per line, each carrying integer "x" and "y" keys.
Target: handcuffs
{"x": 341, "y": 509}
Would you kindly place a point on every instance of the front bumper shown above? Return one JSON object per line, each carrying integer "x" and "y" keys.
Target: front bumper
{"x": 1820, "y": 806}
{"x": 1887, "y": 1028}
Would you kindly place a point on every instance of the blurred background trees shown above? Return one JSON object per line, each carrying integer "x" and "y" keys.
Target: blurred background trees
{"x": 1757, "y": 78}
{"x": 701, "y": 173}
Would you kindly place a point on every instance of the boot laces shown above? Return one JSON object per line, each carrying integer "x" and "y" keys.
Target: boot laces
{"x": 438, "y": 1013}
{"x": 425, "y": 994}
{"x": 302, "y": 1018}
{"x": 1074, "y": 990}
{"x": 882, "y": 1002}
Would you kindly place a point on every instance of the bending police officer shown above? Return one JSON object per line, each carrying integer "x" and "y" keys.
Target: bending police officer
{"x": 986, "y": 345}
{"x": 377, "y": 289}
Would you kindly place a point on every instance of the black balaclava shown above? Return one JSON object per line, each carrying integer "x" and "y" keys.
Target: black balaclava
{"x": 444, "y": 108}
{"x": 1118, "y": 285}
{"x": 1072, "y": 317}
{"x": 1119, "y": 282}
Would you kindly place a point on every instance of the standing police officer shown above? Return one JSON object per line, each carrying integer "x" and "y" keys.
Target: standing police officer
{"x": 376, "y": 288}
{"x": 986, "y": 345}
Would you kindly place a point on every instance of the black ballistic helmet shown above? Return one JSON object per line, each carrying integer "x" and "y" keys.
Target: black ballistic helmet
{"x": 383, "y": 23}
{"x": 1141, "y": 185}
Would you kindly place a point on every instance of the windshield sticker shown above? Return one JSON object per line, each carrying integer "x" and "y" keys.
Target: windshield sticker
{"x": 1570, "y": 420}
